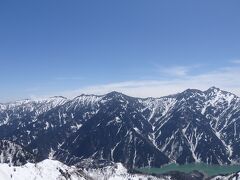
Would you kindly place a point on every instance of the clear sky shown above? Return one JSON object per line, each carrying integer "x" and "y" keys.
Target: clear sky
{"x": 139, "y": 47}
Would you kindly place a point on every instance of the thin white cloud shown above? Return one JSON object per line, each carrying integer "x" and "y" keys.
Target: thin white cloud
{"x": 226, "y": 79}
{"x": 69, "y": 78}
{"x": 175, "y": 70}
{"x": 237, "y": 61}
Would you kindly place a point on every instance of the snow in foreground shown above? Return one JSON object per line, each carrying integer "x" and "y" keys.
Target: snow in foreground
{"x": 55, "y": 170}
{"x": 47, "y": 169}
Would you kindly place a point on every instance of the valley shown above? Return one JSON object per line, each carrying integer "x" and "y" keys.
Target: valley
{"x": 92, "y": 131}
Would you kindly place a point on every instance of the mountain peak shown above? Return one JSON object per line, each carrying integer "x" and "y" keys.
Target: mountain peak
{"x": 58, "y": 97}
{"x": 86, "y": 95}
{"x": 189, "y": 92}
{"x": 114, "y": 94}
{"x": 213, "y": 88}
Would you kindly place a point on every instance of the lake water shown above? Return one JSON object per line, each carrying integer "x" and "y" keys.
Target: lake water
{"x": 210, "y": 170}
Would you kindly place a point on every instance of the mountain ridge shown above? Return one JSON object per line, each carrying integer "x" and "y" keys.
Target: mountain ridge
{"x": 191, "y": 126}
{"x": 111, "y": 92}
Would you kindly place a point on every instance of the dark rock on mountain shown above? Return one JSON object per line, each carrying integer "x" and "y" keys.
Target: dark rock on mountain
{"x": 192, "y": 126}
{"x": 14, "y": 154}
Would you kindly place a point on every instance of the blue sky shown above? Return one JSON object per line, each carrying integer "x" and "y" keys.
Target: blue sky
{"x": 139, "y": 47}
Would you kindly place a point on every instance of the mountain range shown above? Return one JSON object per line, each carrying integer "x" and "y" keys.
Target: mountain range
{"x": 191, "y": 126}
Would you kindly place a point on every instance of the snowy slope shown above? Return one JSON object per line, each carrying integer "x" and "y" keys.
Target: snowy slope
{"x": 47, "y": 169}
{"x": 54, "y": 170}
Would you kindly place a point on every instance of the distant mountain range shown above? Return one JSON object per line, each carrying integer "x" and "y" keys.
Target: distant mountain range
{"x": 192, "y": 126}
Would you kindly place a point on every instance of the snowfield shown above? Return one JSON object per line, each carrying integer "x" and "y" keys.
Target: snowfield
{"x": 55, "y": 170}
{"x": 45, "y": 170}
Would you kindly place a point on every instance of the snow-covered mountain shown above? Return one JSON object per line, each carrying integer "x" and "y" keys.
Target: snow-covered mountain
{"x": 192, "y": 126}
